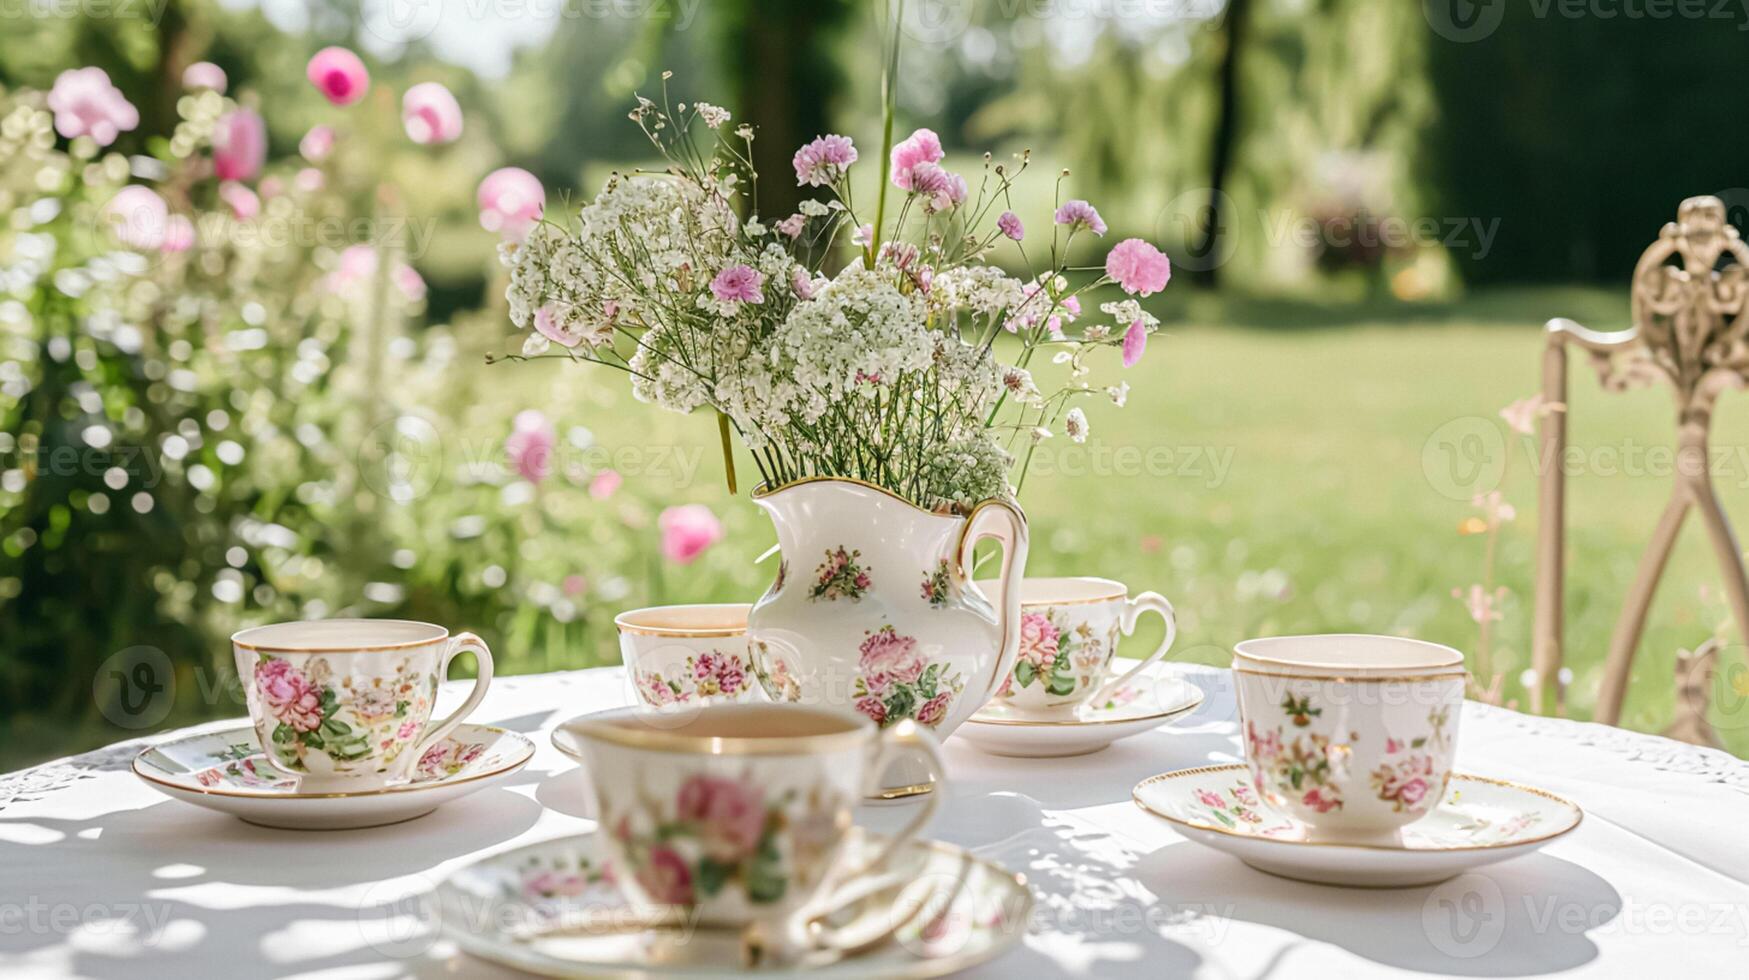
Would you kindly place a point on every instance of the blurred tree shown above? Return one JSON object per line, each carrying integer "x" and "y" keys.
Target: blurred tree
{"x": 1235, "y": 26}
{"x": 1581, "y": 135}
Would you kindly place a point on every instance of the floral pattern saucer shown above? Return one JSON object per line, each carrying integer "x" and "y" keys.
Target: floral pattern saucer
{"x": 225, "y": 770}
{"x": 1153, "y": 698}
{"x": 552, "y": 909}
{"x": 1479, "y": 821}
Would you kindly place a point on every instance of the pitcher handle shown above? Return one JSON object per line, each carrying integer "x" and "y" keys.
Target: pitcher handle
{"x": 1005, "y": 523}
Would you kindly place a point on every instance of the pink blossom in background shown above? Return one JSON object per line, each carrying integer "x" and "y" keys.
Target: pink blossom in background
{"x": 530, "y": 445}
{"x": 430, "y": 114}
{"x": 243, "y": 202}
{"x": 574, "y": 585}
{"x": 317, "y": 144}
{"x": 863, "y": 235}
{"x": 1009, "y": 224}
{"x": 239, "y": 145}
{"x": 1080, "y": 214}
{"x": 86, "y": 104}
{"x": 1135, "y": 343}
{"x": 339, "y": 75}
{"x": 824, "y": 161}
{"x": 358, "y": 263}
{"x": 138, "y": 217}
{"x": 922, "y": 146}
{"x": 205, "y": 74}
{"x": 1521, "y": 416}
{"x": 309, "y": 180}
{"x": 270, "y": 187}
{"x": 738, "y": 284}
{"x": 603, "y": 485}
{"x": 178, "y": 234}
{"x": 791, "y": 226}
{"x": 1140, "y": 268}
{"x": 687, "y": 530}
{"x": 511, "y": 200}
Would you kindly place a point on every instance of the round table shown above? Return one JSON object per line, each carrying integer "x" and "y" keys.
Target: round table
{"x": 101, "y": 876}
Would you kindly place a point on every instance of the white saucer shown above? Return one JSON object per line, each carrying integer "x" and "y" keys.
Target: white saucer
{"x": 552, "y": 909}
{"x": 1155, "y": 697}
{"x": 225, "y": 770}
{"x": 1480, "y": 821}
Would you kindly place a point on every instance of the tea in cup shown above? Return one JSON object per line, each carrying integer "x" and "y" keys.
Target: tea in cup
{"x": 345, "y": 704}
{"x": 1069, "y": 631}
{"x": 739, "y": 815}
{"x": 1352, "y": 735}
{"x": 684, "y": 654}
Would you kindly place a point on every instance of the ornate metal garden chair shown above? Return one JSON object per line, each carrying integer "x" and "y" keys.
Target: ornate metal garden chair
{"x": 1688, "y": 329}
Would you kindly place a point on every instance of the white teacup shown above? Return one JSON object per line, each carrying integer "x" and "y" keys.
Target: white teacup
{"x": 1069, "y": 631}
{"x": 685, "y": 654}
{"x": 345, "y": 704}
{"x": 1352, "y": 735}
{"x": 737, "y": 815}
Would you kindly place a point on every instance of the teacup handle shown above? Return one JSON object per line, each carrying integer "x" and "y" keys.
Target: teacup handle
{"x": 905, "y": 737}
{"x": 1132, "y": 612}
{"x": 482, "y": 654}
{"x": 1004, "y": 523}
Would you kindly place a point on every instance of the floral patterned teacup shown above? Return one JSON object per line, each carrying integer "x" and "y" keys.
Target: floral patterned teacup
{"x": 1069, "y": 631}
{"x": 687, "y": 654}
{"x": 740, "y": 816}
{"x": 345, "y": 704}
{"x": 1352, "y": 735}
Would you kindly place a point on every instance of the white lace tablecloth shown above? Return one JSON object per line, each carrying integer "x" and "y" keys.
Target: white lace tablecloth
{"x": 100, "y": 876}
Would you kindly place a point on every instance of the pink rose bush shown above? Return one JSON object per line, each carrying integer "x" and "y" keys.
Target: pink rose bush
{"x": 339, "y": 75}
{"x": 86, "y": 103}
{"x": 430, "y": 114}
{"x": 530, "y": 446}
{"x": 687, "y": 531}
{"x": 510, "y": 201}
{"x": 239, "y": 145}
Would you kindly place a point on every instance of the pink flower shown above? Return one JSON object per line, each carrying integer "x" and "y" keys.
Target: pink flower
{"x": 863, "y": 235}
{"x": 317, "y": 144}
{"x": 1321, "y": 799}
{"x": 430, "y": 114}
{"x": 178, "y": 234}
{"x": 738, "y": 284}
{"x": 205, "y": 74}
{"x": 804, "y": 285}
{"x": 792, "y": 226}
{"x": 511, "y": 200}
{"x": 288, "y": 695}
{"x": 1135, "y": 343}
{"x": 665, "y": 878}
{"x": 1412, "y": 792}
{"x": 1080, "y": 214}
{"x": 1522, "y": 414}
{"x": 872, "y": 707}
{"x": 358, "y": 263}
{"x": 603, "y": 484}
{"x": 86, "y": 104}
{"x": 244, "y": 203}
{"x": 308, "y": 180}
{"x": 887, "y": 659}
{"x": 339, "y": 75}
{"x": 550, "y": 325}
{"x": 1140, "y": 268}
{"x": 1038, "y": 640}
{"x": 138, "y": 217}
{"x": 574, "y": 585}
{"x": 732, "y": 814}
{"x": 922, "y": 146}
{"x": 943, "y": 189}
{"x": 932, "y": 711}
{"x": 1010, "y": 225}
{"x": 687, "y": 530}
{"x": 239, "y": 145}
{"x": 408, "y": 729}
{"x": 824, "y": 161}
{"x": 530, "y": 445}
{"x": 1207, "y": 798}
{"x": 1393, "y": 745}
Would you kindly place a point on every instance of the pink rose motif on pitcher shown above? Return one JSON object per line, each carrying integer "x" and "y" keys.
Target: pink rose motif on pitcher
{"x": 289, "y": 695}
{"x": 895, "y": 681}
{"x": 889, "y": 659}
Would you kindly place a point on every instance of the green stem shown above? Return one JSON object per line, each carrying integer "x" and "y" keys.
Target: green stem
{"x": 889, "y": 106}
{"x": 728, "y": 451}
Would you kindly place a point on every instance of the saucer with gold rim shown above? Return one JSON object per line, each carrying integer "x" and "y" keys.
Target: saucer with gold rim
{"x": 225, "y": 770}
{"x": 1478, "y": 821}
{"x": 1158, "y": 695}
{"x": 552, "y": 909}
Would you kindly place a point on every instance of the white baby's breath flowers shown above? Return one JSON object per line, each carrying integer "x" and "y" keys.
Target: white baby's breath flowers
{"x": 1119, "y": 393}
{"x": 1075, "y": 425}
{"x": 813, "y": 209}
{"x": 981, "y": 290}
{"x": 859, "y": 332}
{"x": 1020, "y": 386}
{"x": 713, "y": 115}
